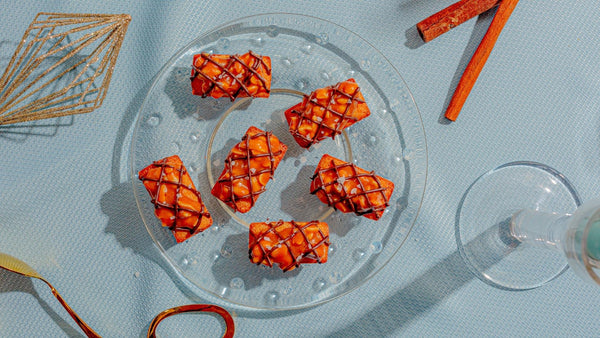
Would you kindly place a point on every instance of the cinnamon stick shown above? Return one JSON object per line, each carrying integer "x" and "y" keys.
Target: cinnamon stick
{"x": 452, "y": 16}
{"x": 469, "y": 77}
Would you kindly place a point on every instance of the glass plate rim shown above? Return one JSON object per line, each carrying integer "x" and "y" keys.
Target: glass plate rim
{"x": 133, "y": 173}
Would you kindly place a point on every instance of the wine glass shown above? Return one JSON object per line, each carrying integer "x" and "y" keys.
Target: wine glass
{"x": 522, "y": 224}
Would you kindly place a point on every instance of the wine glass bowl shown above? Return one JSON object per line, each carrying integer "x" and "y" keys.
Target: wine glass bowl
{"x": 522, "y": 224}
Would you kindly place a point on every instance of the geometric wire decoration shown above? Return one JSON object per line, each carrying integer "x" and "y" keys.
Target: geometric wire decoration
{"x": 62, "y": 66}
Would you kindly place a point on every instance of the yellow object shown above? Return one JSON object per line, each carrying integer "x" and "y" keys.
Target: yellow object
{"x": 16, "y": 265}
{"x": 62, "y": 66}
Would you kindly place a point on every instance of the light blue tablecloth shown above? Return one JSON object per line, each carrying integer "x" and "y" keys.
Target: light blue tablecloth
{"x": 66, "y": 205}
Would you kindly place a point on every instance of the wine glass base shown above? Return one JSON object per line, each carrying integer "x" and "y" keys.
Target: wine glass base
{"x": 483, "y": 227}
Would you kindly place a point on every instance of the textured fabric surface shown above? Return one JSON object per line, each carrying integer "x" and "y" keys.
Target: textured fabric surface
{"x": 67, "y": 209}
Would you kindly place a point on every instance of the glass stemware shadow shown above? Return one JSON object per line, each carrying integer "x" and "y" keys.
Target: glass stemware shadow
{"x": 433, "y": 286}
{"x": 496, "y": 242}
{"x": 407, "y": 304}
{"x": 424, "y": 292}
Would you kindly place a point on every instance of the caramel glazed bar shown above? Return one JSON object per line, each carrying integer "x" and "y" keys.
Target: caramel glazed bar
{"x": 288, "y": 244}
{"x": 221, "y": 75}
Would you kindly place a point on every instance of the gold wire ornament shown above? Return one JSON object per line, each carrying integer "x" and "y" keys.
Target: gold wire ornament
{"x": 62, "y": 66}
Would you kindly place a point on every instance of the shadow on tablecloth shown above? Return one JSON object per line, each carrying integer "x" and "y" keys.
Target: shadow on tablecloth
{"x": 481, "y": 25}
{"x": 427, "y": 290}
{"x": 19, "y": 132}
{"x": 12, "y": 282}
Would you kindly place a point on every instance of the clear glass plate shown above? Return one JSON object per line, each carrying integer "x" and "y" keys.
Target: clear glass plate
{"x": 306, "y": 53}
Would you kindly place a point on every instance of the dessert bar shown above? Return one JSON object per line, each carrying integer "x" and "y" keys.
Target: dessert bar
{"x": 288, "y": 244}
{"x": 233, "y": 76}
{"x": 177, "y": 203}
{"x": 248, "y": 168}
{"x": 326, "y": 112}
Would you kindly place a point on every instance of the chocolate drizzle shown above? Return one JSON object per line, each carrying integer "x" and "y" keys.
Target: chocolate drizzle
{"x": 176, "y": 207}
{"x": 225, "y": 72}
{"x": 345, "y": 117}
{"x": 349, "y": 198}
{"x": 309, "y": 255}
{"x": 227, "y": 177}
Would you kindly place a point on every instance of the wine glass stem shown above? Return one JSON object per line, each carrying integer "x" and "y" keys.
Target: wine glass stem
{"x": 539, "y": 228}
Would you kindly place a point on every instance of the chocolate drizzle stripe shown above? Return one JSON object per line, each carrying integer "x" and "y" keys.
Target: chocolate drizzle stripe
{"x": 257, "y": 61}
{"x": 177, "y": 193}
{"x": 215, "y": 82}
{"x": 311, "y": 253}
{"x": 297, "y": 228}
{"x": 348, "y": 197}
{"x": 286, "y": 242}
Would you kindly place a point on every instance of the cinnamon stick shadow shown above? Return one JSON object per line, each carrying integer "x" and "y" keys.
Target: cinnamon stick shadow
{"x": 413, "y": 38}
{"x": 426, "y": 291}
{"x": 414, "y": 7}
{"x": 481, "y": 26}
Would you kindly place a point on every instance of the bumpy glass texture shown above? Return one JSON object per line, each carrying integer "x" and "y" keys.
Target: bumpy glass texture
{"x": 306, "y": 53}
